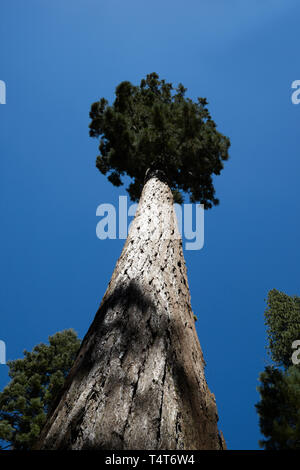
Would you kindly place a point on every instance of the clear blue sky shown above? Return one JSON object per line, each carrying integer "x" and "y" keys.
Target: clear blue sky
{"x": 56, "y": 58}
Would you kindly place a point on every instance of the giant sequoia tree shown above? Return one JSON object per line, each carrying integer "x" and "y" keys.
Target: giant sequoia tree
{"x": 138, "y": 381}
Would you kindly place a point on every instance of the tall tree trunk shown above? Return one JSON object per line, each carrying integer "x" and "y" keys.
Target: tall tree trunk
{"x": 138, "y": 381}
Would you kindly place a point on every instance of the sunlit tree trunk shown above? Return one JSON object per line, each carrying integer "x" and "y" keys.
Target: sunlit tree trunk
{"x": 138, "y": 381}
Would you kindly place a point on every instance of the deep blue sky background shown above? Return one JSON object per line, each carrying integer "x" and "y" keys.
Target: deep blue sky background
{"x": 56, "y": 58}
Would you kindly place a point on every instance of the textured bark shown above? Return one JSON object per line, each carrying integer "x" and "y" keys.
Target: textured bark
{"x": 138, "y": 381}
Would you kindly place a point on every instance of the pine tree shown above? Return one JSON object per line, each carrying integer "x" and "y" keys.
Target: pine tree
{"x": 282, "y": 318}
{"x": 279, "y": 388}
{"x": 279, "y": 408}
{"x": 36, "y": 380}
{"x": 138, "y": 381}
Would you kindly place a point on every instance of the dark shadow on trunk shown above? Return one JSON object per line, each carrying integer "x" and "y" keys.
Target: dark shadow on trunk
{"x": 128, "y": 320}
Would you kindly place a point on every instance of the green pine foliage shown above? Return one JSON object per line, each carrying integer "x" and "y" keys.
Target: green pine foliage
{"x": 36, "y": 380}
{"x": 279, "y": 408}
{"x": 282, "y": 318}
{"x": 279, "y": 388}
{"x": 153, "y": 126}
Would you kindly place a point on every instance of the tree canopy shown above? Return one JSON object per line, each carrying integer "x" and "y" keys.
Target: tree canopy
{"x": 279, "y": 388}
{"x": 36, "y": 380}
{"x": 278, "y": 409}
{"x": 282, "y": 318}
{"x": 155, "y": 126}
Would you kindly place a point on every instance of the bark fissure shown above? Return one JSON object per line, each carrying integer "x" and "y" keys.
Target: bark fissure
{"x": 134, "y": 389}
{"x": 161, "y": 405}
{"x": 177, "y": 429}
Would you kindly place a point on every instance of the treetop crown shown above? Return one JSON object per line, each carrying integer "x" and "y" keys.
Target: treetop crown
{"x": 155, "y": 126}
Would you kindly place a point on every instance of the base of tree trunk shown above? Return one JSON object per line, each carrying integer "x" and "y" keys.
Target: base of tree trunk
{"x": 138, "y": 381}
